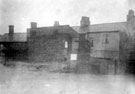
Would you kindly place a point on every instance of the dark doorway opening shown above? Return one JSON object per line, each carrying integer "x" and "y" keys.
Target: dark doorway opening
{"x": 130, "y": 66}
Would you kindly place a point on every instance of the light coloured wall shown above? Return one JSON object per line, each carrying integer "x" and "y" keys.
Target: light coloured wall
{"x": 102, "y": 49}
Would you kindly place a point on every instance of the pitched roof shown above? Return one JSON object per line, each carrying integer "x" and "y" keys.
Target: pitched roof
{"x": 118, "y": 26}
{"x": 50, "y": 30}
{"x": 17, "y": 37}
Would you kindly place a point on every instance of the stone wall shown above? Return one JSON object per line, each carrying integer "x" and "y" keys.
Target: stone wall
{"x": 49, "y": 48}
{"x": 97, "y": 66}
{"x": 84, "y": 49}
{"x": 105, "y": 44}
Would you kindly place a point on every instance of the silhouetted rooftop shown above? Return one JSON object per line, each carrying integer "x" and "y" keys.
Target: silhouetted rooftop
{"x": 50, "y": 30}
{"x": 105, "y": 27}
{"x": 17, "y": 37}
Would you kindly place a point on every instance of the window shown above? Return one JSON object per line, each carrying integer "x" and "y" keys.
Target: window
{"x": 66, "y": 44}
{"x": 91, "y": 40}
{"x": 87, "y": 37}
{"x": 73, "y": 57}
{"x": 106, "y": 39}
{"x": 92, "y": 43}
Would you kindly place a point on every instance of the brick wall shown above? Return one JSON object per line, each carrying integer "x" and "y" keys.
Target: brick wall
{"x": 16, "y": 51}
{"x": 49, "y": 48}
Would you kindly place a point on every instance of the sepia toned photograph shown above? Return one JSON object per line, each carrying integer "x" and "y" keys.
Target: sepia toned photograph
{"x": 67, "y": 46}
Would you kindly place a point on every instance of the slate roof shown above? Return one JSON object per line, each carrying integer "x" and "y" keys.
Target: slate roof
{"x": 17, "y": 37}
{"x": 50, "y": 30}
{"x": 105, "y": 27}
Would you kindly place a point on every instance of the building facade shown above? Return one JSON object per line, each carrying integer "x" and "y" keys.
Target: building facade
{"x": 98, "y": 45}
{"x": 13, "y": 46}
{"x": 50, "y": 44}
{"x": 80, "y": 44}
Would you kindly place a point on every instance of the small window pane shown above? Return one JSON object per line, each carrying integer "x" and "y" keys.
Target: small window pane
{"x": 106, "y": 39}
{"x": 92, "y": 43}
{"x": 66, "y": 44}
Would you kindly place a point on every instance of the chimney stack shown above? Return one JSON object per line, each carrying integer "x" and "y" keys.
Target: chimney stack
{"x": 56, "y": 23}
{"x": 85, "y": 22}
{"x": 130, "y": 16}
{"x": 131, "y": 21}
{"x": 33, "y": 25}
{"x": 11, "y": 29}
{"x": 11, "y": 32}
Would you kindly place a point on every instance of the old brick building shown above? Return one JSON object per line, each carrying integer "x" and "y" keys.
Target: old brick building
{"x": 108, "y": 42}
{"x": 87, "y": 44}
{"x": 100, "y": 47}
{"x": 82, "y": 44}
{"x": 50, "y": 44}
{"x": 14, "y": 45}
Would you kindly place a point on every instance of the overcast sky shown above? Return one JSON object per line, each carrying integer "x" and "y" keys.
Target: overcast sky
{"x": 21, "y": 12}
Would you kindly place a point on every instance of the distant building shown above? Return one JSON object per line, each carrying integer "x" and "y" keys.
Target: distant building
{"x": 14, "y": 45}
{"x": 82, "y": 43}
{"x": 104, "y": 38}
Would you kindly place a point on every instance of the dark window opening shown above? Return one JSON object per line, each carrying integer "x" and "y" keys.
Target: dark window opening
{"x": 92, "y": 43}
{"x": 106, "y": 39}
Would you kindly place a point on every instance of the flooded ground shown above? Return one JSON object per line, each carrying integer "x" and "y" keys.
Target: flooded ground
{"x": 27, "y": 80}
